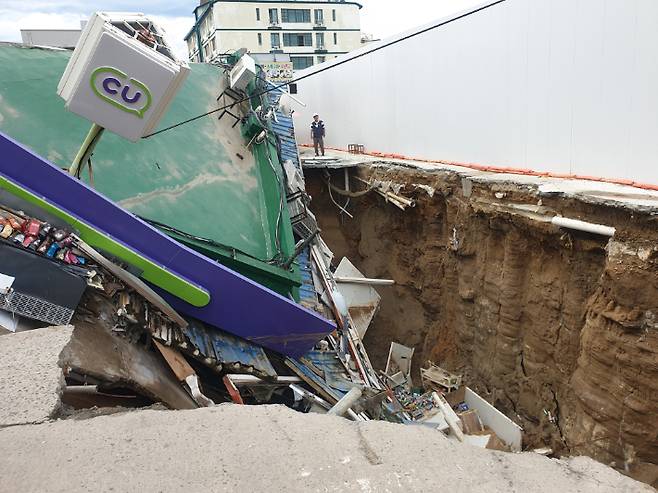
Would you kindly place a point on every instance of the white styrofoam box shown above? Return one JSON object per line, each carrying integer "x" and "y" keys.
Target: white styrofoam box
{"x": 243, "y": 73}
{"x": 119, "y": 82}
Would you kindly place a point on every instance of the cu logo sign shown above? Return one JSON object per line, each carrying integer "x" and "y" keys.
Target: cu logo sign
{"x": 121, "y": 91}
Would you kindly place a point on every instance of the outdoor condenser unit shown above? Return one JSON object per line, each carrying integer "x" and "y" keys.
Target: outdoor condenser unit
{"x": 243, "y": 73}
{"x": 122, "y": 75}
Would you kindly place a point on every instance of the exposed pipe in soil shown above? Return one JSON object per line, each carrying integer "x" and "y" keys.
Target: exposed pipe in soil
{"x": 364, "y": 280}
{"x": 516, "y": 307}
{"x": 597, "y": 229}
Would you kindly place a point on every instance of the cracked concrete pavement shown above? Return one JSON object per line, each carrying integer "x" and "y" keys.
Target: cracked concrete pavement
{"x": 31, "y": 379}
{"x": 271, "y": 448}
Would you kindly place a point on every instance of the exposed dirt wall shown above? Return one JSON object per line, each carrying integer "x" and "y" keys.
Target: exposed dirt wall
{"x": 556, "y": 328}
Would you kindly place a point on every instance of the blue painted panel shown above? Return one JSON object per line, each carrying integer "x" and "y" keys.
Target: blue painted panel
{"x": 285, "y": 129}
{"x": 228, "y": 350}
{"x": 307, "y": 293}
{"x": 333, "y": 370}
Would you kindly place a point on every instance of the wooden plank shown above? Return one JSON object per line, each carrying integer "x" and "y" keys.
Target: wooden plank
{"x": 176, "y": 361}
{"x": 314, "y": 381}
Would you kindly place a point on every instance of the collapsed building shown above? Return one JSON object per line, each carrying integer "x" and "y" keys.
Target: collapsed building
{"x": 192, "y": 269}
{"x": 214, "y": 263}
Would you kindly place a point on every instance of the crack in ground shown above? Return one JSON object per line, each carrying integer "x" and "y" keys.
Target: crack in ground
{"x": 557, "y": 418}
{"x": 367, "y": 449}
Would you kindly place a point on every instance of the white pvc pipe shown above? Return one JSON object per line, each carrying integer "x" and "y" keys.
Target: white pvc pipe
{"x": 597, "y": 229}
{"x": 364, "y": 280}
{"x": 344, "y": 405}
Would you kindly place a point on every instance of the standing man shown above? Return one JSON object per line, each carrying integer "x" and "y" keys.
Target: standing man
{"x": 317, "y": 132}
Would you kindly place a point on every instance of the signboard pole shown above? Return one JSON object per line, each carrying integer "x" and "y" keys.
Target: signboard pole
{"x": 94, "y": 135}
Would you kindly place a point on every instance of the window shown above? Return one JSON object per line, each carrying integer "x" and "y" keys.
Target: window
{"x": 335, "y": 38}
{"x": 319, "y": 41}
{"x": 319, "y": 17}
{"x": 293, "y": 88}
{"x": 274, "y": 16}
{"x": 257, "y": 14}
{"x": 260, "y": 39}
{"x": 301, "y": 62}
{"x": 296, "y": 15}
{"x": 297, "y": 39}
{"x": 333, "y": 15}
{"x": 322, "y": 59}
{"x": 213, "y": 45}
{"x": 276, "y": 41}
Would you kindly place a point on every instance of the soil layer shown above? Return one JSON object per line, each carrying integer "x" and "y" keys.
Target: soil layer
{"x": 557, "y": 328}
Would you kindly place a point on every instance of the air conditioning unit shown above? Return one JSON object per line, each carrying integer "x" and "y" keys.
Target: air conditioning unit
{"x": 243, "y": 73}
{"x": 123, "y": 74}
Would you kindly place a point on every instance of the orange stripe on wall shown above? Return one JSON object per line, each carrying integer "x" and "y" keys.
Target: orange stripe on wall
{"x": 502, "y": 169}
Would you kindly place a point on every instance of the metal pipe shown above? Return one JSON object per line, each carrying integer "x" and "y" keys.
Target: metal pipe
{"x": 397, "y": 200}
{"x": 364, "y": 280}
{"x": 254, "y": 380}
{"x": 597, "y": 229}
{"x": 344, "y": 405}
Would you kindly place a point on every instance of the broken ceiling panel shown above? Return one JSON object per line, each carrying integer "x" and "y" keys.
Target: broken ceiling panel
{"x": 362, "y": 299}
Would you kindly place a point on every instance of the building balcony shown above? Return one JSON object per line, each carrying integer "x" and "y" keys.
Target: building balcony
{"x": 275, "y": 26}
{"x": 319, "y": 26}
{"x": 321, "y": 49}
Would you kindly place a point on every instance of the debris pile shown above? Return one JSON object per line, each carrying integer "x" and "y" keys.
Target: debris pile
{"x": 444, "y": 404}
{"x": 130, "y": 347}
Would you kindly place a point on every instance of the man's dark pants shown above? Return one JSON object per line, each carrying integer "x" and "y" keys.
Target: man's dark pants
{"x": 318, "y": 141}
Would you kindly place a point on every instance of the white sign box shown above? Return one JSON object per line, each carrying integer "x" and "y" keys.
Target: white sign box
{"x": 122, "y": 75}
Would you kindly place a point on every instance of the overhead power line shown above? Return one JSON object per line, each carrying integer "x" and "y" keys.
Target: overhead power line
{"x": 329, "y": 67}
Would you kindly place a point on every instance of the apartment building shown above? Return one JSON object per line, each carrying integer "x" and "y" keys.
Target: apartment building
{"x": 303, "y": 32}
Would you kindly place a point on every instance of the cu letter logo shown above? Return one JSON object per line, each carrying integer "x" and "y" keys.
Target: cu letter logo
{"x": 116, "y": 88}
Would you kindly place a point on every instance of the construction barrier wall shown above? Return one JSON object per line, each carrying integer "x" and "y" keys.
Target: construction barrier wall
{"x": 560, "y": 86}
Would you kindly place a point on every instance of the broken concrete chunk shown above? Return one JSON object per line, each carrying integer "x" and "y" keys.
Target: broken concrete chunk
{"x": 31, "y": 380}
{"x": 96, "y": 352}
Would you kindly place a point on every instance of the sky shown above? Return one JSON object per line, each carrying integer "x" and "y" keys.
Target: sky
{"x": 381, "y": 18}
